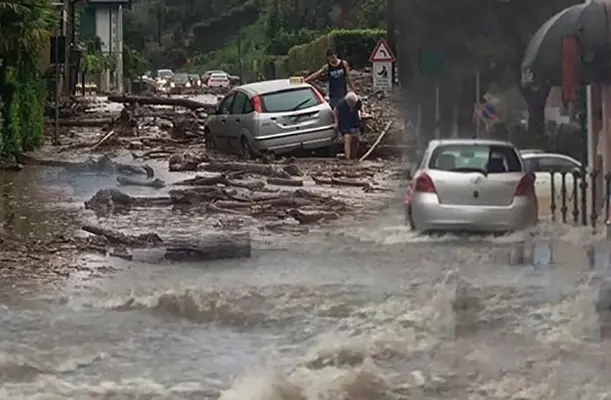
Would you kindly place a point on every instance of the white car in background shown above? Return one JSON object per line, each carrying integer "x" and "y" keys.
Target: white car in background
{"x": 220, "y": 80}
{"x": 543, "y": 164}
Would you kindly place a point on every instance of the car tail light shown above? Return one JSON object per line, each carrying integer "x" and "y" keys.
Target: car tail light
{"x": 424, "y": 184}
{"x": 526, "y": 186}
{"x": 256, "y": 104}
{"x": 319, "y": 96}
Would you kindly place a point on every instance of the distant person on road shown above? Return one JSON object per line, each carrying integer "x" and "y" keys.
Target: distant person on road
{"x": 347, "y": 121}
{"x": 338, "y": 75}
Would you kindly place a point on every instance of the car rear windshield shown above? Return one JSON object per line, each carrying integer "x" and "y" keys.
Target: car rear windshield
{"x": 488, "y": 159}
{"x": 289, "y": 100}
{"x": 180, "y": 78}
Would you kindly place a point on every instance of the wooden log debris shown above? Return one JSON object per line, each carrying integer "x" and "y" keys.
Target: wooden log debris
{"x": 209, "y": 247}
{"x": 285, "y": 182}
{"x": 110, "y": 201}
{"x": 201, "y": 248}
{"x": 249, "y": 168}
{"x": 341, "y": 182}
{"x": 162, "y": 101}
{"x": 118, "y": 238}
{"x": 103, "y": 164}
{"x": 85, "y": 123}
{"x": 129, "y": 181}
{"x": 220, "y": 179}
{"x": 377, "y": 142}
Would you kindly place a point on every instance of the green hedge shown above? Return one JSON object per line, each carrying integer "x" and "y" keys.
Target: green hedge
{"x": 353, "y": 45}
{"x": 22, "y": 108}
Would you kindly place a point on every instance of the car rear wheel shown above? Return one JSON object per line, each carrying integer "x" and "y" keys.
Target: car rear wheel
{"x": 332, "y": 150}
{"x": 210, "y": 142}
{"x": 247, "y": 153}
{"x": 409, "y": 220}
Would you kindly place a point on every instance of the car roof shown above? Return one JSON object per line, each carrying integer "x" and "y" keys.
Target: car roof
{"x": 271, "y": 86}
{"x": 482, "y": 142}
{"x": 539, "y": 155}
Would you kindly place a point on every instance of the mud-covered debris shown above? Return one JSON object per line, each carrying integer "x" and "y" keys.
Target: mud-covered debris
{"x": 249, "y": 168}
{"x": 108, "y": 201}
{"x": 114, "y": 201}
{"x": 152, "y": 183}
{"x": 103, "y": 164}
{"x": 186, "y": 161}
{"x": 309, "y": 217}
{"x": 341, "y": 182}
{"x": 292, "y": 170}
{"x": 118, "y": 238}
{"x": 162, "y": 101}
{"x": 284, "y": 182}
{"x": 200, "y": 248}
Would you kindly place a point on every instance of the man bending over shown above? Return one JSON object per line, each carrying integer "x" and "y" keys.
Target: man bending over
{"x": 347, "y": 119}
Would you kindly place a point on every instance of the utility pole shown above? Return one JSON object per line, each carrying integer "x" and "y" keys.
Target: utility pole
{"x": 391, "y": 30}
{"x": 240, "y": 55}
{"x": 477, "y": 103}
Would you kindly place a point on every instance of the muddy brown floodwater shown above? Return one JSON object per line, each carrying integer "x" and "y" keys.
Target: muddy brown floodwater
{"x": 359, "y": 309}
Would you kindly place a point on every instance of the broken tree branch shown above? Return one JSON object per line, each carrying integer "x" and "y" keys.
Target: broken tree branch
{"x": 377, "y": 142}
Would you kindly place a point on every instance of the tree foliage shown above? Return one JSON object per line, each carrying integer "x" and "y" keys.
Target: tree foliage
{"x": 25, "y": 26}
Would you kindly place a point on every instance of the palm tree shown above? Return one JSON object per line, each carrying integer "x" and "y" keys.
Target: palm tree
{"x": 25, "y": 25}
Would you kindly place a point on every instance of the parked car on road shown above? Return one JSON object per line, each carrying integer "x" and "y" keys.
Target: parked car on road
{"x": 531, "y": 151}
{"x": 164, "y": 75}
{"x": 471, "y": 185}
{"x": 206, "y": 76}
{"x": 219, "y": 80}
{"x": 542, "y": 165}
{"x": 179, "y": 82}
{"x": 272, "y": 116}
{"x": 195, "y": 80}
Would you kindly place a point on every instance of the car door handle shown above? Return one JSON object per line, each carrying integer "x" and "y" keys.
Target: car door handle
{"x": 237, "y": 120}
{"x": 223, "y": 121}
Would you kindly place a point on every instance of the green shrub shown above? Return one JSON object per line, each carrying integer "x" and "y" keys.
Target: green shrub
{"x": 353, "y": 45}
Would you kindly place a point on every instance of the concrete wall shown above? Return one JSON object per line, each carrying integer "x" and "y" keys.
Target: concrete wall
{"x": 109, "y": 28}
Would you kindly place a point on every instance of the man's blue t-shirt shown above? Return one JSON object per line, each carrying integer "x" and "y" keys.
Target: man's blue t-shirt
{"x": 348, "y": 118}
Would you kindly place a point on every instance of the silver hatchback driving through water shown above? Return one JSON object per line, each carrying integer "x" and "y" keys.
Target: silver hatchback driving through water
{"x": 471, "y": 185}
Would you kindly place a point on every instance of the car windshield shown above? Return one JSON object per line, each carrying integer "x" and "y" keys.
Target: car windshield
{"x": 475, "y": 158}
{"x": 289, "y": 100}
{"x": 181, "y": 78}
{"x": 219, "y": 76}
{"x": 165, "y": 73}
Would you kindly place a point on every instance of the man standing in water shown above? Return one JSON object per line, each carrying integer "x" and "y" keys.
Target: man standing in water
{"x": 338, "y": 75}
{"x": 347, "y": 121}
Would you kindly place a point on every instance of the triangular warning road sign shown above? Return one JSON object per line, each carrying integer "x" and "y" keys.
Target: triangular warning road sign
{"x": 382, "y": 53}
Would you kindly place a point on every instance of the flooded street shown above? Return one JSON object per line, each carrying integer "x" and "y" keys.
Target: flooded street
{"x": 366, "y": 312}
